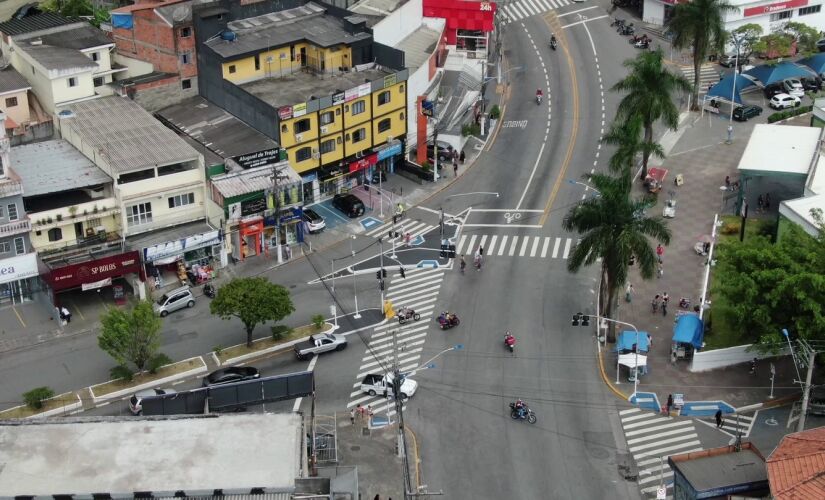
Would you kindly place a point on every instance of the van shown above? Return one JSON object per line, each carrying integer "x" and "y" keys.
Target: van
{"x": 174, "y": 300}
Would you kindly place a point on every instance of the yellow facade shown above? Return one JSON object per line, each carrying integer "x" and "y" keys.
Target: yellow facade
{"x": 389, "y": 126}
{"x": 357, "y": 111}
{"x": 285, "y": 60}
{"x": 298, "y": 130}
{"x": 304, "y": 156}
{"x": 335, "y": 142}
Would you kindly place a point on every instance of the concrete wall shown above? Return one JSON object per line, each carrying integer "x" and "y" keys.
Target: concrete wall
{"x": 19, "y": 112}
{"x": 718, "y": 358}
{"x": 398, "y": 25}
{"x": 158, "y": 95}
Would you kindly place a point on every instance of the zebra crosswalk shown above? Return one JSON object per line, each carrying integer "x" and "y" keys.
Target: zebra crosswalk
{"x": 541, "y": 247}
{"x": 521, "y": 9}
{"x": 412, "y": 226}
{"x": 708, "y": 75}
{"x": 419, "y": 291}
{"x": 651, "y": 438}
{"x": 733, "y": 424}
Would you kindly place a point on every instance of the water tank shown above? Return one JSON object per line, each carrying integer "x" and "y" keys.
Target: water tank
{"x": 228, "y": 36}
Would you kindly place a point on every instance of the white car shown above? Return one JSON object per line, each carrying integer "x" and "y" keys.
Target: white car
{"x": 136, "y": 401}
{"x": 382, "y": 385}
{"x": 793, "y": 87}
{"x": 783, "y": 101}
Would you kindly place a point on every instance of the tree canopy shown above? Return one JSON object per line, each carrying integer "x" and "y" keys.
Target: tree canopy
{"x": 253, "y": 301}
{"x": 626, "y": 135}
{"x": 748, "y": 36}
{"x": 130, "y": 335}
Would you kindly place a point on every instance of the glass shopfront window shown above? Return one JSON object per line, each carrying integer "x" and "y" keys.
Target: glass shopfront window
{"x": 471, "y": 41}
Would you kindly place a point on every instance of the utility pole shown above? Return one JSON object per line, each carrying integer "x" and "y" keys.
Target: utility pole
{"x": 807, "y": 389}
{"x": 381, "y": 271}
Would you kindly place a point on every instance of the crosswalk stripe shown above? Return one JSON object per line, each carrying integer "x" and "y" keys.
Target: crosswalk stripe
{"x": 657, "y": 436}
{"x": 535, "y": 248}
{"x": 513, "y": 245}
{"x": 492, "y": 244}
{"x": 472, "y": 244}
{"x": 503, "y": 245}
{"x": 483, "y": 241}
{"x": 547, "y": 5}
{"x": 530, "y": 7}
{"x": 556, "y": 247}
{"x": 649, "y": 479}
{"x": 524, "y": 243}
{"x": 522, "y": 13}
{"x": 460, "y": 246}
{"x": 686, "y": 423}
{"x": 661, "y": 451}
{"x": 628, "y": 411}
{"x": 650, "y": 420}
{"x": 545, "y": 246}
{"x": 508, "y": 11}
{"x": 567, "y": 248}
{"x": 655, "y": 460}
{"x": 661, "y": 442}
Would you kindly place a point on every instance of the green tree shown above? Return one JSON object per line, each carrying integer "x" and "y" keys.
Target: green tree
{"x": 803, "y": 35}
{"x": 613, "y": 227}
{"x": 649, "y": 88}
{"x": 253, "y": 301}
{"x": 626, "y": 135}
{"x": 700, "y": 26}
{"x": 766, "y": 287}
{"x": 774, "y": 44}
{"x": 130, "y": 335}
{"x": 76, "y": 8}
{"x": 748, "y": 36}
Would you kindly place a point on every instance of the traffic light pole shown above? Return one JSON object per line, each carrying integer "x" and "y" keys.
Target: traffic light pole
{"x": 584, "y": 319}
{"x": 381, "y": 271}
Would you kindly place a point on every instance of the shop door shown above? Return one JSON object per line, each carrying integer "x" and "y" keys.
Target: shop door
{"x": 308, "y": 198}
{"x": 303, "y": 57}
{"x": 78, "y": 231}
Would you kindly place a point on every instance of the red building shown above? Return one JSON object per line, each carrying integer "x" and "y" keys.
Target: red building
{"x": 159, "y": 33}
{"x": 468, "y": 23}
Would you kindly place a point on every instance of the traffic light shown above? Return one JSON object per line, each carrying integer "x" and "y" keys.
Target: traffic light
{"x": 383, "y": 273}
{"x": 581, "y": 319}
{"x": 378, "y": 275}
{"x": 381, "y": 285}
{"x": 401, "y": 270}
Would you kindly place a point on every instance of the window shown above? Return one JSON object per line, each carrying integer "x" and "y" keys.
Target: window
{"x": 93, "y": 223}
{"x": 781, "y": 15}
{"x": 185, "y": 32}
{"x": 2, "y": 213}
{"x": 19, "y": 246}
{"x": 328, "y": 146}
{"x": 174, "y": 168}
{"x": 358, "y": 107}
{"x": 302, "y": 126}
{"x": 136, "y": 176}
{"x": 257, "y": 62}
{"x": 384, "y": 97}
{"x": 5, "y": 247}
{"x": 303, "y": 154}
{"x": 95, "y": 56}
{"x": 11, "y": 102}
{"x": 139, "y": 214}
{"x": 13, "y": 211}
{"x": 97, "y": 81}
{"x": 384, "y": 125}
{"x": 813, "y": 9}
{"x": 186, "y": 84}
{"x": 181, "y": 200}
{"x": 359, "y": 135}
{"x": 327, "y": 118}
{"x": 186, "y": 58}
{"x": 72, "y": 82}
{"x": 231, "y": 68}
{"x": 55, "y": 234}
{"x": 291, "y": 52}
{"x": 401, "y": 89}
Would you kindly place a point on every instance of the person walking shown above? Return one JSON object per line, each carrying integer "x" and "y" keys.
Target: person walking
{"x": 660, "y": 252}
{"x": 654, "y": 304}
{"x": 463, "y": 264}
{"x": 767, "y": 201}
{"x": 660, "y": 272}
{"x": 67, "y": 315}
{"x": 760, "y": 203}
{"x": 352, "y": 416}
{"x": 665, "y": 300}
{"x": 455, "y": 169}
{"x": 628, "y": 293}
{"x": 669, "y": 404}
{"x": 461, "y": 157}
{"x": 718, "y": 419}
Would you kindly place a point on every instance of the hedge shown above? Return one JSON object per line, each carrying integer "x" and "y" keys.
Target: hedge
{"x": 781, "y": 115}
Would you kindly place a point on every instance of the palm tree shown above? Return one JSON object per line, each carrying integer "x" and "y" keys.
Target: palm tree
{"x": 613, "y": 227}
{"x": 699, "y": 25}
{"x": 626, "y": 135}
{"x": 649, "y": 91}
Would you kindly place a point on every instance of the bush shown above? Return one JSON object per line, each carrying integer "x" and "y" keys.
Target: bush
{"x": 281, "y": 331}
{"x": 123, "y": 372}
{"x": 318, "y": 321}
{"x": 495, "y": 112}
{"x": 427, "y": 166}
{"x": 218, "y": 349}
{"x": 729, "y": 229}
{"x": 157, "y": 361}
{"x": 781, "y": 115}
{"x": 471, "y": 129}
{"x": 35, "y": 397}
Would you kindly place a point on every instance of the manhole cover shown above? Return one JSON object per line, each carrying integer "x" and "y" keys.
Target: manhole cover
{"x": 355, "y": 448}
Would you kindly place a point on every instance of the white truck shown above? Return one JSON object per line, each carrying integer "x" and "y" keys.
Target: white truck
{"x": 382, "y": 384}
{"x": 320, "y": 343}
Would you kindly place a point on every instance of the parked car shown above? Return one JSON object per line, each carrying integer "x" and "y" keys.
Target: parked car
{"x": 746, "y": 112}
{"x": 318, "y": 344}
{"x": 729, "y": 60}
{"x": 230, "y": 375}
{"x": 136, "y": 401}
{"x": 820, "y": 44}
{"x": 350, "y": 204}
{"x": 783, "y": 101}
{"x": 813, "y": 83}
{"x": 174, "y": 300}
{"x": 773, "y": 89}
{"x": 445, "y": 151}
{"x": 793, "y": 87}
{"x": 315, "y": 222}
{"x": 378, "y": 176}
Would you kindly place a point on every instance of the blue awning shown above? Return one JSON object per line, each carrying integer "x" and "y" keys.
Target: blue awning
{"x": 689, "y": 329}
{"x": 772, "y": 73}
{"x": 724, "y": 89}
{"x": 815, "y": 62}
{"x": 627, "y": 339}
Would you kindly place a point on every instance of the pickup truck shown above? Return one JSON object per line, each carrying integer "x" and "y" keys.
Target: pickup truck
{"x": 382, "y": 384}
{"x": 320, "y": 343}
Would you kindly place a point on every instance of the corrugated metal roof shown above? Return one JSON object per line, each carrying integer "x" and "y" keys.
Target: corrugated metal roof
{"x": 11, "y": 80}
{"x": 39, "y": 22}
{"x": 54, "y": 166}
{"x": 253, "y": 180}
{"x": 125, "y": 134}
{"x": 59, "y": 58}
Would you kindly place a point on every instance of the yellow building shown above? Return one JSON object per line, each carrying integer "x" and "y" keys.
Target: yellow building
{"x": 339, "y": 116}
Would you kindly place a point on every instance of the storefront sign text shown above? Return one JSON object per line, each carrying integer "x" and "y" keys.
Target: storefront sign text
{"x": 393, "y": 150}
{"x": 252, "y": 207}
{"x": 299, "y": 110}
{"x": 364, "y": 89}
{"x": 390, "y": 80}
{"x": 258, "y": 159}
{"x": 285, "y": 113}
{"x": 172, "y": 248}
{"x": 94, "y": 271}
{"x": 363, "y": 163}
{"x": 774, "y": 7}
{"x": 485, "y": 7}
{"x": 337, "y": 98}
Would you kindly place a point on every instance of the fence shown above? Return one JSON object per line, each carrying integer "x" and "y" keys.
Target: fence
{"x": 718, "y": 358}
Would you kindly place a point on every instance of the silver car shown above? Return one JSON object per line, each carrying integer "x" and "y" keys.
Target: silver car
{"x": 174, "y": 300}
{"x": 136, "y": 401}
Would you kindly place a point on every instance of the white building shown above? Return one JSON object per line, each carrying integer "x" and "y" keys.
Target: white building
{"x": 771, "y": 15}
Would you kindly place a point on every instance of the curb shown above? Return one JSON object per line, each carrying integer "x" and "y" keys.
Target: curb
{"x": 416, "y": 455}
{"x": 605, "y": 378}
{"x": 68, "y": 408}
{"x": 148, "y": 385}
{"x": 269, "y": 350}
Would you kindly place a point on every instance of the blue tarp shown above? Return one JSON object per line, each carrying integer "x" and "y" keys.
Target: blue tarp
{"x": 724, "y": 88}
{"x": 815, "y": 62}
{"x": 689, "y": 329}
{"x": 627, "y": 339}
{"x": 768, "y": 74}
{"x": 122, "y": 20}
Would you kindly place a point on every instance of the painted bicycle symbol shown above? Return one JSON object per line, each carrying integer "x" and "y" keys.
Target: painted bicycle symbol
{"x": 510, "y": 217}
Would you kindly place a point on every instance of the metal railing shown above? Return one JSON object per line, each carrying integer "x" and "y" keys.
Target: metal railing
{"x": 15, "y": 227}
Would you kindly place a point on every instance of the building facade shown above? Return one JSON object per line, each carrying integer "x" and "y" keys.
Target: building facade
{"x": 770, "y": 15}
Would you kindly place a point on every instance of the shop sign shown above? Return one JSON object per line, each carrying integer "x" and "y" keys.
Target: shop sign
{"x": 173, "y": 248}
{"x": 258, "y": 159}
{"x": 390, "y": 80}
{"x": 393, "y": 150}
{"x": 351, "y": 94}
{"x": 285, "y": 113}
{"x": 252, "y": 207}
{"x": 364, "y": 89}
{"x": 774, "y": 7}
{"x": 18, "y": 268}
{"x": 485, "y": 7}
{"x": 337, "y": 98}
{"x": 299, "y": 110}
{"x": 94, "y": 272}
{"x": 290, "y": 215}
{"x": 309, "y": 177}
{"x": 363, "y": 163}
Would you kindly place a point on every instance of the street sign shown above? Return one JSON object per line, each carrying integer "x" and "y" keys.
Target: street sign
{"x": 661, "y": 493}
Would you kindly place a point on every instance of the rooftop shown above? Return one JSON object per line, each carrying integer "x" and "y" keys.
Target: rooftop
{"x": 130, "y": 144}
{"x": 214, "y": 127}
{"x": 54, "y": 166}
{"x": 307, "y": 22}
{"x": 11, "y": 80}
{"x": 39, "y": 22}
{"x": 253, "y": 180}
{"x": 720, "y": 467}
{"x": 191, "y": 453}
{"x": 177, "y": 13}
{"x": 418, "y": 46}
{"x": 796, "y": 468}
{"x": 174, "y": 233}
{"x": 781, "y": 149}
{"x": 301, "y": 87}
{"x": 376, "y": 8}
{"x": 78, "y": 36}
{"x": 58, "y": 58}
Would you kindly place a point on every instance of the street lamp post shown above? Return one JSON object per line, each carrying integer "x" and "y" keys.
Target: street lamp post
{"x": 579, "y": 317}
{"x": 737, "y": 42}
{"x": 357, "y": 314}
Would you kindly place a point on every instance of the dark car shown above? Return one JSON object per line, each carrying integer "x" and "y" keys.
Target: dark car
{"x": 27, "y": 10}
{"x": 348, "y": 203}
{"x": 812, "y": 83}
{"x": 378, "y": 176}
{"x": 773, "y": 89}
{"x": 231, "y": 374}
{"x": 729, "y": 60}
{"x": 445, "y": 151}
{"x": 820, "y": 45}
{"x": 746, "y": 112}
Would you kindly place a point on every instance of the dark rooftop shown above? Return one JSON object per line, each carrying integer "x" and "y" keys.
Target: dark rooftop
{"x": 720, "y": 467}
{"x": 39, "y": 22}
{"x": 147, "y": 78}
{"x": 84, "y": 36}
{"x": 214, "y": 127}
{"x": 59, "y": 58}
{"x": 308, "y": 22}
{"x": 11, "y": 80}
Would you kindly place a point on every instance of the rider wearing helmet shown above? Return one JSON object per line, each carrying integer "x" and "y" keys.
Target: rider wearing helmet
{"x": 509, "y": 339}
{"x": 521, "y": 407}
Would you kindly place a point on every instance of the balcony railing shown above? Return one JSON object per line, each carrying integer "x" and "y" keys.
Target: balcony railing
{"x": 15, "y": 227}
{"x": 98, "y": 245}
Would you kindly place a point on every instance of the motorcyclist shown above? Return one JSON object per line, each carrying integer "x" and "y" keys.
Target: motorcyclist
{"x": 450, "y": 318}
{"x": 463, "y": 263}
{"x": 553, "y": 40}
{"x": 399, "y": 209}
{"x": 521, "y": 408}
{"x": 509, "y": 339}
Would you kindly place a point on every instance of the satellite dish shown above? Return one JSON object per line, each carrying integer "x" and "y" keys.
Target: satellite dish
{"x": 180, "y": 13}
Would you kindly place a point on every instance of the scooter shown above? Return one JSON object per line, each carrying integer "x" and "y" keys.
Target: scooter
{"x": 627, "y": 30}
{"x": 209, "y": 290}
{"x": 509, "y": 342}
{"x": 538, "y": 99}
{"x": 553, "y": 44}
{"x": 617, "y": 22}
{"x": 642, "y": 44}
{"x": 445, "y": 323}
{"x": 405, "y": 313}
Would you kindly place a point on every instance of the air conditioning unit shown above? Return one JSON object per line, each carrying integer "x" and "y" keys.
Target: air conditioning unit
{"x": 324, "y": 129}
{"x": 315, "y": 154}
{"x": 299, "y": 137}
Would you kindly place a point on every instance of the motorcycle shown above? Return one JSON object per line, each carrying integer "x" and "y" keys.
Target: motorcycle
{"x": 510, "y": 342}
{"x": 617, "y": 22}
{"x": 642, "y": 44}
{"x": 553, "y": 44}
{"x": 538, "y": 99}
{"x": 527, "y": 414}
{"x": 627, "y": 30}
{"x": 445, "y": 323}
{"x": 405, "y": 313}
{"x": 209, "y": 290}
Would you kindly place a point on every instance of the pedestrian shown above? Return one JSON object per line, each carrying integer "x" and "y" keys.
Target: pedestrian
{"x": 660, "y": 272}
{"x": 706, "y": 248}
{"x": 660, "y": 252}
{"x": 407, "y": 238}
{"x": 455, "y": 169}
{"x": 760, "y": 203}
{"x": 767, "y": 201}
{"x": 628, "y": 292}
{"x": 649, "y": 342}
{"x": 718, "y": 418}
{"x": 359, "y": 410}
{"x": 669, "y": 404}
{"x": 67, "y": 315}
{"x": 377, "y": 497}
{"x": 665, "y": 300}
{"x": 481, "y": 251}
{"x": 655, "y": 303}
{"x": 352, "y": 416}
{"x": 461, "y": 157}
{"x": 463, "y": 264}
{"x": 369, "y": 411}
{"x": 727, "y": 182}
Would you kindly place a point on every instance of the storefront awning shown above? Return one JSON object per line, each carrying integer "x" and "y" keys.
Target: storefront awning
{"x": 94, "y": 273}
{"x": 174, "y": 241}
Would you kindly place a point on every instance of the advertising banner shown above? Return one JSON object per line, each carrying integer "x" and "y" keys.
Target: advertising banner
{"x": 94, "y": 272}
